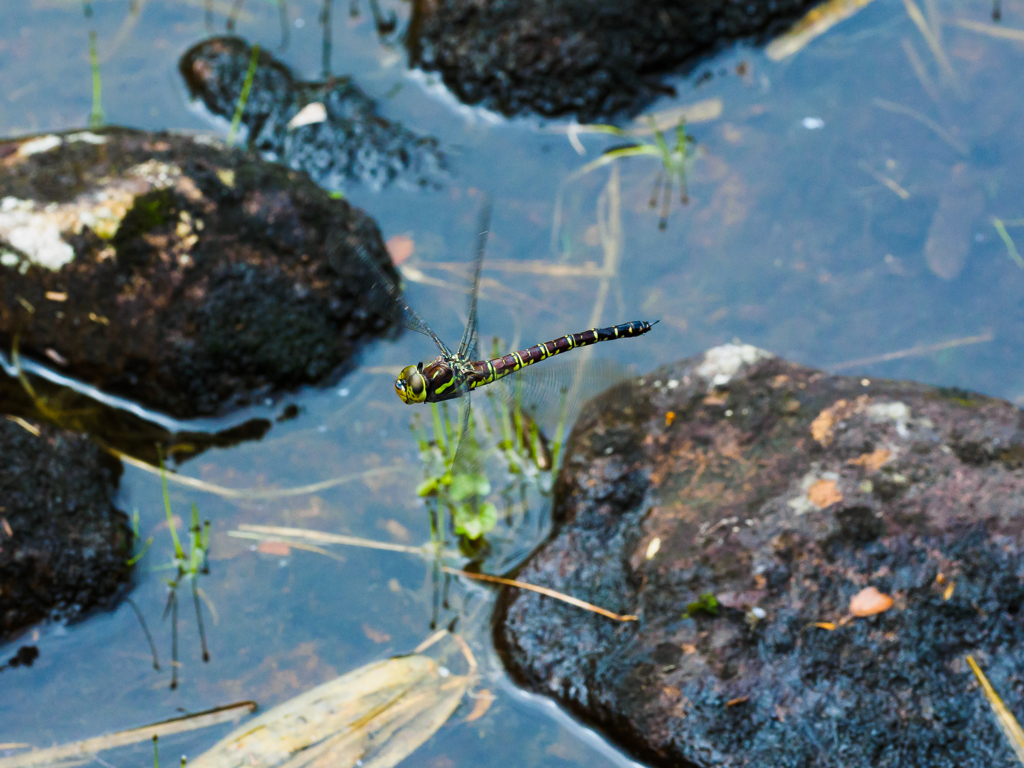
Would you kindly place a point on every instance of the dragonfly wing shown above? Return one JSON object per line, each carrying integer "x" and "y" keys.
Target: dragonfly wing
{"x": 382, "y": 291}
{"x": 553, "y": 391}
{"x": 468, "y": 345}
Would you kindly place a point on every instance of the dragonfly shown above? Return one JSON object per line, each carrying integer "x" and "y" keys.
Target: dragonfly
{"x": 455, "y": 374}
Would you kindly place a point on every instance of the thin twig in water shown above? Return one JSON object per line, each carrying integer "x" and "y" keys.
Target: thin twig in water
{"x": 885, "y": 181}
{"x": 919, "y": 69}
{"x": 992, "y": 30}
{"x": 920, "y": 349}
{"x": 1004, "y": 717}
{"x": 276, "y": 532}
{"x": 86, "y": 747}
{"x": 287, "y": 536}
{"x": 253, "y": 493}
{"x": 926, "y": 121}
{"x": 543, "y": 591}
{"x": 531, "y": 267}
{"x": 935, "y": 44}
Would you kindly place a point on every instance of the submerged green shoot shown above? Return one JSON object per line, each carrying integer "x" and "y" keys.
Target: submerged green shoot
{"x": 236, "y": 121}
{"x": 504, "y": 440}
{"x": 96, "y": 118}
{"x": 1011, "y": 249}
{"x": 673, "y": 159}
{"x": 188, "y": 566}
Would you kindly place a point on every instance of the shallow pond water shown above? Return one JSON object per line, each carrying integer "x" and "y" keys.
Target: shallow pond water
{"x": 840, "y": 214}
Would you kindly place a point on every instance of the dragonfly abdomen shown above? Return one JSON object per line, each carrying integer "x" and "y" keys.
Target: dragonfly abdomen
{"x": 498, "y": 367}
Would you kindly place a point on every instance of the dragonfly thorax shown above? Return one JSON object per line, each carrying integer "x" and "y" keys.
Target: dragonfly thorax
{"x": 443, "y": 378}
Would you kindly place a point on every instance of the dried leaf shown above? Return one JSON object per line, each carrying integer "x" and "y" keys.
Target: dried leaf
{"x": 400, "y": 248}
{"x": 817, "y": 21}
{"x": 484, "y": 699}
{"x": 374, "y": 717}
{"x": 274, "y": 548}
{"x": 85, "y": 751}
{"x": 375, "y": 635}
{"x": 869, "y": 601}
{"x": 311, "y": 114}
{"x": 653, "y": 547}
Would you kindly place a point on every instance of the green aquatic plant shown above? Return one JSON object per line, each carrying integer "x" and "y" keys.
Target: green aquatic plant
{"x": 706, "y": 605}
{"x": 673, "y": 160}
{"x": 506, "y": 438}
{"x": 96, "y": 118}
{"x": 243, "y": 97}
{"x": 188, "y": 567}
{"x": 1011, "y": 249}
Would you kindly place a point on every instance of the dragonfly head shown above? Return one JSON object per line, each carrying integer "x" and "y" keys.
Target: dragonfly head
{"x": 411, "y": 384}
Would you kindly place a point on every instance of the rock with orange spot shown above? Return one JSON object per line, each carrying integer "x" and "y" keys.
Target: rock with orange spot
{"x": 757, "y": 505}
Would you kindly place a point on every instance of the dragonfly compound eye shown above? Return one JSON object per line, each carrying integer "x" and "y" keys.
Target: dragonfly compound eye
{"x": 411, "y": 386}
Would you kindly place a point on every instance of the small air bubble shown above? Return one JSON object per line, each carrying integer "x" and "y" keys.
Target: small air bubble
{"x": 443, "y": 671}
{"x": 672, "y": 383}
{"x": 343, "y": 392}
{"x": 608, "y": 450}
{"x": 728, "y": 413}
{"x": 865, "y": 382}
{"x": 322, "y": 428}
{"x": 300, "y": 23}
{"x": 658, "y": 383}
{"x": 735, "y": 529}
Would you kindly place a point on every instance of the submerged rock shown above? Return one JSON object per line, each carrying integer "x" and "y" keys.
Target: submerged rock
{"x": 951, "y": 232}
{"x": 341, "y": 141}
{"x": 588, "y": 58}
{"x": 812, "y": 558}
{"x": 64, "y": 547}
{"x": 176, "y": 273}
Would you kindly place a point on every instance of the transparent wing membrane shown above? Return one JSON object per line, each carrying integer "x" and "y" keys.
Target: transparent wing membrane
{"x": 468, "y": 345}
{"x": 556, "y": 389}
{"x": 382, "y": 291}
{"x": 533, "y": 407}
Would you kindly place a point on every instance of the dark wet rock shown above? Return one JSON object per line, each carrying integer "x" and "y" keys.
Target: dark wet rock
{"x": 782, "y": 492}
{"x": 176, "y": 273}
{"x": 353, "y": 143}
{"x": 64, "y": 547}
{"x": 588, "y": 58}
